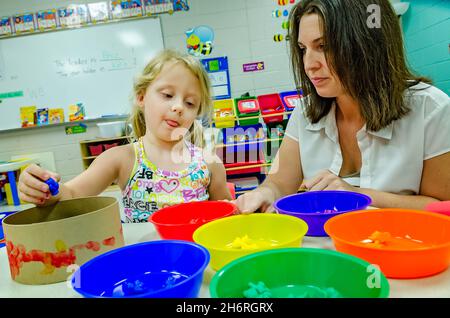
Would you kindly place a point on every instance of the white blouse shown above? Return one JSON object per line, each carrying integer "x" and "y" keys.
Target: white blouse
{"x": 392, "y": 158}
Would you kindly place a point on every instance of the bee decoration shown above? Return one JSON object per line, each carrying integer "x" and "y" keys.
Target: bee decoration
{"x": 199, "y": 40}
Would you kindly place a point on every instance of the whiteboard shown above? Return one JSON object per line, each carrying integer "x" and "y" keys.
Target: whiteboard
{"x": 93, "y": 65}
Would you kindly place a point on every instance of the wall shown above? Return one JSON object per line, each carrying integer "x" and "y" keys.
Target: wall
{"x": 426, "y": 26}
{"x": 243, "y": 32}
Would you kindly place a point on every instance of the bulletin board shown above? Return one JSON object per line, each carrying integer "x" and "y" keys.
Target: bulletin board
{"x": 217, "y": 69}
{"x": 95, "y": 66}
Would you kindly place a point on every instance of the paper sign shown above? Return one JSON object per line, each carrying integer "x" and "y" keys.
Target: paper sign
{"x": 252, "y": 67}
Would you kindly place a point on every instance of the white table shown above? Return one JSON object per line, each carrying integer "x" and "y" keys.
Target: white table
{"x": 435, "y": 286}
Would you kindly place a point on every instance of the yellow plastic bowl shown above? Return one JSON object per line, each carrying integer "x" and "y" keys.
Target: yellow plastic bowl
{"x": 235, "y": 236}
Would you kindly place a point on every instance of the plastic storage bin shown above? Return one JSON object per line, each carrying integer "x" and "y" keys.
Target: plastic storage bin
{"x": 270, "y": 104}
{"x": 247, "y": 138}
{"x": 245, "y": 184}
{"x": 108, "y": 146}
{"x": 95, "y": 150}
{"x": 111, "y": 129}
{"x": 245, "y": 167}
{"x": 224, "y": 115}
{"x": 247, "y": 107}
{"x": 290, "y": 100}
{"x": 275, "y": 131}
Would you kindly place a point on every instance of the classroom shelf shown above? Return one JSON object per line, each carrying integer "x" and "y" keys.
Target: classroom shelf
{"x": 249, "y": 166}
{"x": 66, "y": 123}
{"x": 86, "y": 147}
{"x": 247, "y": 143}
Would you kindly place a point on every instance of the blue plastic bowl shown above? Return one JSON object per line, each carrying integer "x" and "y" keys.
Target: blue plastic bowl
{"x": 158, "y": 269}
{"x": 317, "y": 207}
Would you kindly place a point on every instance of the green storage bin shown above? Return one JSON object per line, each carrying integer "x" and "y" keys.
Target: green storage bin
{"x": 247, "y": 107}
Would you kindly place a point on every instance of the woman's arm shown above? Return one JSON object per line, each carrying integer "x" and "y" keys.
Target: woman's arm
{"x": 435, "y": 186}
{"x": 284, "y": 178}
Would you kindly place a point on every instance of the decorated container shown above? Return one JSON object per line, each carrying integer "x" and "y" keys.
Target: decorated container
{"x": 46, "y": 244}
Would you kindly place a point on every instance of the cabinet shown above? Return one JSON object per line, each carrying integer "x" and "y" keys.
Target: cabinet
{"x": 91, "y": 149}
{"x": 247, "y": 151}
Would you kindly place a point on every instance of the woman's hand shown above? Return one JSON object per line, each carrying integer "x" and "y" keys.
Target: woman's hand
{"x": 32, "y": 187}
{"x": 326, "y": 180}
{"x": 260, "y": 199}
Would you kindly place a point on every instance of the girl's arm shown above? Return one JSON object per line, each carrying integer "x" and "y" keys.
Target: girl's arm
{"x": 218, "y": 189}
{"x": 106, "y": 168}
{"x": 103, "y": 171}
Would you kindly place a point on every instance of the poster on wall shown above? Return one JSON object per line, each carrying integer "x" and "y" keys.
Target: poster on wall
{"x": 98, "y": 12}
{"x": 253, "y": 67}
{"x": 121, "y": 9}
{"x": 5, "y": 26}
{"x": 200, "y": 40}
{"x": 46, "y": 19}
{"x": 24, "y": 23}
{"x": 158, "y": 6}
{"x": 180, "y": 5}
{"x": 73, "y": 15}
{"x": 217, "y": 69}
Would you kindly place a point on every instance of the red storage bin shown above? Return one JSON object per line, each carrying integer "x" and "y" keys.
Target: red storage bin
{"x": 108, "y": 146}
{"x": 244, "y": 168}
{"x": 271, "y": 104}
{"x": 95, "y": 150}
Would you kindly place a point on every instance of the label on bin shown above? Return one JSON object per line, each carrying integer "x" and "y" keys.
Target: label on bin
{"x": 247, "y": 106}
{"x": 292, "y": 101}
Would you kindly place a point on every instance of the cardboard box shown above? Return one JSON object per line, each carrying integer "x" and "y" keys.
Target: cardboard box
{"x": 47, "y": 244}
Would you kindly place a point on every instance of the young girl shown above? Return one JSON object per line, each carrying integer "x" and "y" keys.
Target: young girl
{"x": 166, "y": 165}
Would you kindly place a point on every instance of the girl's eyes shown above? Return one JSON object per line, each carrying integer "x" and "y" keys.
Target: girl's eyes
{"x": 169, "y": 96}
{"x": 190, "y": 104}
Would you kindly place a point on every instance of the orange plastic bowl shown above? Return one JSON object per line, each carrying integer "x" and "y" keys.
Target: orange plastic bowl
{"x": 178, "y": 222}
{"x": 424, "y": 237}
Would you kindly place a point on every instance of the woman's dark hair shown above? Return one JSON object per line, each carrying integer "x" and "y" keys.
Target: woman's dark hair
{"x": 367, "y": 58}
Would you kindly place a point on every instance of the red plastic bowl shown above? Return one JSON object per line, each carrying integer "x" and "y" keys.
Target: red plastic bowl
{"x": 178, "y": 222}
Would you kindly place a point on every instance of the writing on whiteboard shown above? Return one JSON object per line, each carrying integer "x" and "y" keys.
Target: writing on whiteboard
{"x": 106, "y": 61}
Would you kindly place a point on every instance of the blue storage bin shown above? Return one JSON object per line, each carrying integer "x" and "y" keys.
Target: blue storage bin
{"x": 290, "y": 100}
{"x": 247, "y": 138}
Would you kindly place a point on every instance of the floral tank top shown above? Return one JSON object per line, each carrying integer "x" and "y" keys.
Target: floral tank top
{"x": 150, "y": 188}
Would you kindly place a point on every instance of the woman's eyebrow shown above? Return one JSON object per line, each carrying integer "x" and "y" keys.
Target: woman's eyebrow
{"x": 314, "y": 41}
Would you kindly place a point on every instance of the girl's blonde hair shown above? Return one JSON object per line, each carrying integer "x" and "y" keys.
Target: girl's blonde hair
{"x": 148, "y": 75}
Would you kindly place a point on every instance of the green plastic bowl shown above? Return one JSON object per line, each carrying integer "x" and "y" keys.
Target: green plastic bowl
{"x": 286, "y": 272}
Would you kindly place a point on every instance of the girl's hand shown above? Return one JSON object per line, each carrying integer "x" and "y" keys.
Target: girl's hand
{"x": 254, "y": 201}
{"x": 32, "y": 187}
{"x": 326, "y": 180}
